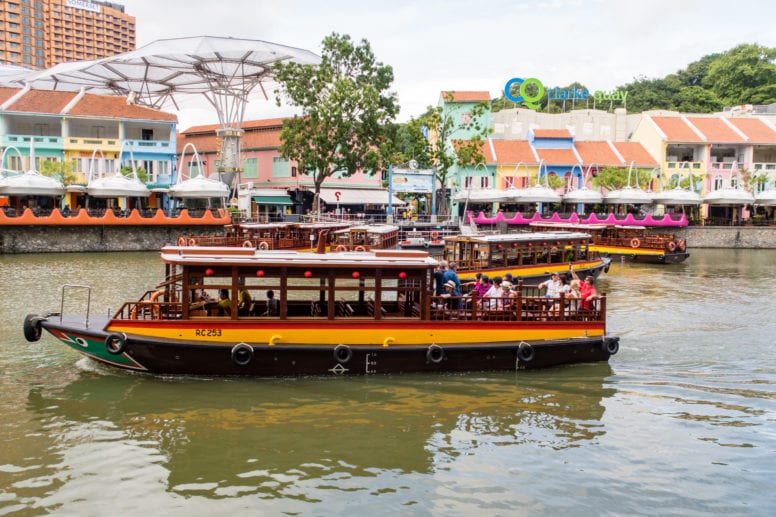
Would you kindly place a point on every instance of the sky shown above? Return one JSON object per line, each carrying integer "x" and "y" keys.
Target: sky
{"x": 436, "y": 45}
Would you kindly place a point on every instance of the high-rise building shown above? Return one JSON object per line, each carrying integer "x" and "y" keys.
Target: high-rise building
{"x": 42, "y": 33}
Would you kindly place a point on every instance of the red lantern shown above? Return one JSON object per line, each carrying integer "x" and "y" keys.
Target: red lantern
{"x": 308, "y": 274}
{"x": 499, "y": 246}
{"x": 530, "y": 244}
{"x": 260, "y": 272}
{"x": 402, "y": 275}
{"x": 355, "y": 274}
{"x": 514, "y": 245}
{"x": 544, "y": 244}
{"x": 209, "y": 272}
{"x": 557, "y": 243}
{"x": 571, "y": 243}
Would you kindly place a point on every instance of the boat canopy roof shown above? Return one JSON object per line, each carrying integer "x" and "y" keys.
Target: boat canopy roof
{"x": 522, "y": 237}
{"x": 246, "y": 257}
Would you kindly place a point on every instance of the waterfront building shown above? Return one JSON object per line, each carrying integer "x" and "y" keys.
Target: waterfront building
{"x": 79, "y": 132}
{"x": 42, "y": 33}
{"x": 705, "y": 152}
{"x": 271, "y": 186}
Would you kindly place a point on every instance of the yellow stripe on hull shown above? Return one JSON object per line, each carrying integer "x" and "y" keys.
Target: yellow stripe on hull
{"x": 618, "y": 250}
{"x": 374, "y": 335}
{"x": 530, "y": 271}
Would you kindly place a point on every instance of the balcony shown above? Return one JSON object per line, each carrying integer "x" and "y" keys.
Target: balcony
{"x": 161, "y": 147}
{"x": 90, "y": 144}
{"x": 695, "y": 167}
{"x": 22, "y": 142}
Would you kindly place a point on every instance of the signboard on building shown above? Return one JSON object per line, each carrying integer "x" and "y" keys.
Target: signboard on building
{"x": 83, "y": 4}
{"x": 415, "y": 181}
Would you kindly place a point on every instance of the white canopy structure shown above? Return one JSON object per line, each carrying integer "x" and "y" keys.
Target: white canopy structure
{"x": 582, "y": 195}
{"x": 31, "y": 183}
{"x": 730, "y": 195}
{"x": 117, "y": 185}
{"x": 200, "y": 187}
{"x": 628, "y": 195}
{"x": 162, "y": 74}
{"x": 766, "y": 198}
{"x": 676, "y": 196}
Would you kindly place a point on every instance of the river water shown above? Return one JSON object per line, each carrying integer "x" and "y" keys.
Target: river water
{"x": 680, "y": 422}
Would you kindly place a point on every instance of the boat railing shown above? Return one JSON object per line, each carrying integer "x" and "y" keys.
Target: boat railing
{"x": 516, "y": 308}
{"x": 87, "y": 312}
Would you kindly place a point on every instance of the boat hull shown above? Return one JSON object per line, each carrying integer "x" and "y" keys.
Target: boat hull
{"x": 279, "y": 350}
{"x": 641, "y": 255}
{"x": 541, "y": 272}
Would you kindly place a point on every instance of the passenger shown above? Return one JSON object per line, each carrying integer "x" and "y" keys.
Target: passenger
{"x": 451, "y": 274}
{"x": 493, "y": 299}
{"x": 587, "y": 291}
{"x": 273, "y": 306}
{"x": 439, "y": 278}
{"x": 244, "y": 300}
{"x": 552, "y": 286}
{"x": 224, "y": 303}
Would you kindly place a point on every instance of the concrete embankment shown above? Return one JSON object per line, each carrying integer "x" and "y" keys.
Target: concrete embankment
{"x": 53, "y": 239}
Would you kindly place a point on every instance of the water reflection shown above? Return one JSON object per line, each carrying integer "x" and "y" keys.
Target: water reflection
{"x": 232, "y": 437}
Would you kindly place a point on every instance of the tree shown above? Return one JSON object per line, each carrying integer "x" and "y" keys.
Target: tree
{"x": 62, "y": 170}
{"x": 614, "y": 178}
{"x": 345, "y": 106}
{"x": 742, "y": 74}
{"x": 447, "y": 152}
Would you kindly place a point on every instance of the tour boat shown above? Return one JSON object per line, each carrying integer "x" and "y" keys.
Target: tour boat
{"x": 336, "y": 313}
{"x": 527, "y": 255}
{"x": 422, "y": 240}
{"x": 631, "y": 243}
{"x": 277, "y": 235}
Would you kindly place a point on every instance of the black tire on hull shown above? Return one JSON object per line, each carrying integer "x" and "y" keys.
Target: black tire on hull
{"x": 32, "y": 329}
{"x": 242, "y": 354}
{"x": 435, "y": 354}
{"x": 525, "y": 352}
{"x": 116, "y": 343}
{"x": 611, "y": 345}
{"x": 342, "y": 354}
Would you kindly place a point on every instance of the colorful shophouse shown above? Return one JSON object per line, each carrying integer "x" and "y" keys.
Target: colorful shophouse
{"x": 82, "y": 132}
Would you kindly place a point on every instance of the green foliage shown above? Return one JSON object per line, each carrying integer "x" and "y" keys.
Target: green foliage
{"x": 742, "y": 74}
{"x": 613, "y": 178}
{"x": 405, "y": 142}
{"x": 142, "y": 174}
{"x": 448, "y": 151}
{"x": 57, "y": 169}
{"x": 345, "y": 106}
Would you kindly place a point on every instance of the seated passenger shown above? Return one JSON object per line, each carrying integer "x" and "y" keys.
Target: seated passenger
{"x": 273, "y": 306}
{"x": 224, "y": 303}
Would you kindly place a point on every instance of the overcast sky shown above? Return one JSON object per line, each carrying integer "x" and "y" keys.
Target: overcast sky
{"x": 437, "y": 45}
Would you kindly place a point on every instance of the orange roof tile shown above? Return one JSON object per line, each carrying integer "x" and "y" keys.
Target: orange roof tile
{"x": 510, "y": 152}
{"x": 116, "y": 106}
{"x": 557, "y": 156}
{"x": 552, "y": 133}
{"x": 600, "y": 153}
{"x": 466, "y": 96}
{"x": 755, "y": 129}
{"x": 258, "y": 134}
{"x": 90, "y": 105}
{"x": 635, "y": 152}
{"x": 716, "y": 130}
{"x": 676, "y": 129}
{"x": 6, "y": 93}
{"x": 248, "y": 124}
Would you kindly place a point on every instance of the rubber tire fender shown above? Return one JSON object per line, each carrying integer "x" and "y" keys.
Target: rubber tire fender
{"x": 32, "y": 328}
{"x": 116, "y": 343}
{"x": 342, "y": 354}
{"x": 242, "y": 354}
{"x": 525, "y": 352}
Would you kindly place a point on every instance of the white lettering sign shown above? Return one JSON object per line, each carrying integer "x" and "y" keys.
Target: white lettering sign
{"x": 82, "y": 4}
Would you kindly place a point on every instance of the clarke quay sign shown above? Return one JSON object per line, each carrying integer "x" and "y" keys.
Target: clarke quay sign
{"x": 532, "y": 99}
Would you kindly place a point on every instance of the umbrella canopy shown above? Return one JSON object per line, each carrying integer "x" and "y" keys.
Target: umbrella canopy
{"x": 484, "y": 195}
{"x": 160, "y": 74}
{"x": 627, "y": 196}
{"x": 31, "y": 183}
{"x": 583, "y": 195}
{"x": 200, "y": 187}
{"x": 676, "y": 196}
{"x": 766, "y": 198}
{"x": 538, "y": 194}
{"x": 117, "y": 185}
{"x": 729, "y": 196}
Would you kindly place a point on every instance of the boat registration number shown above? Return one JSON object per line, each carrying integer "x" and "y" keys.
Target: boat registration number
{"x": 207, "y": 332}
